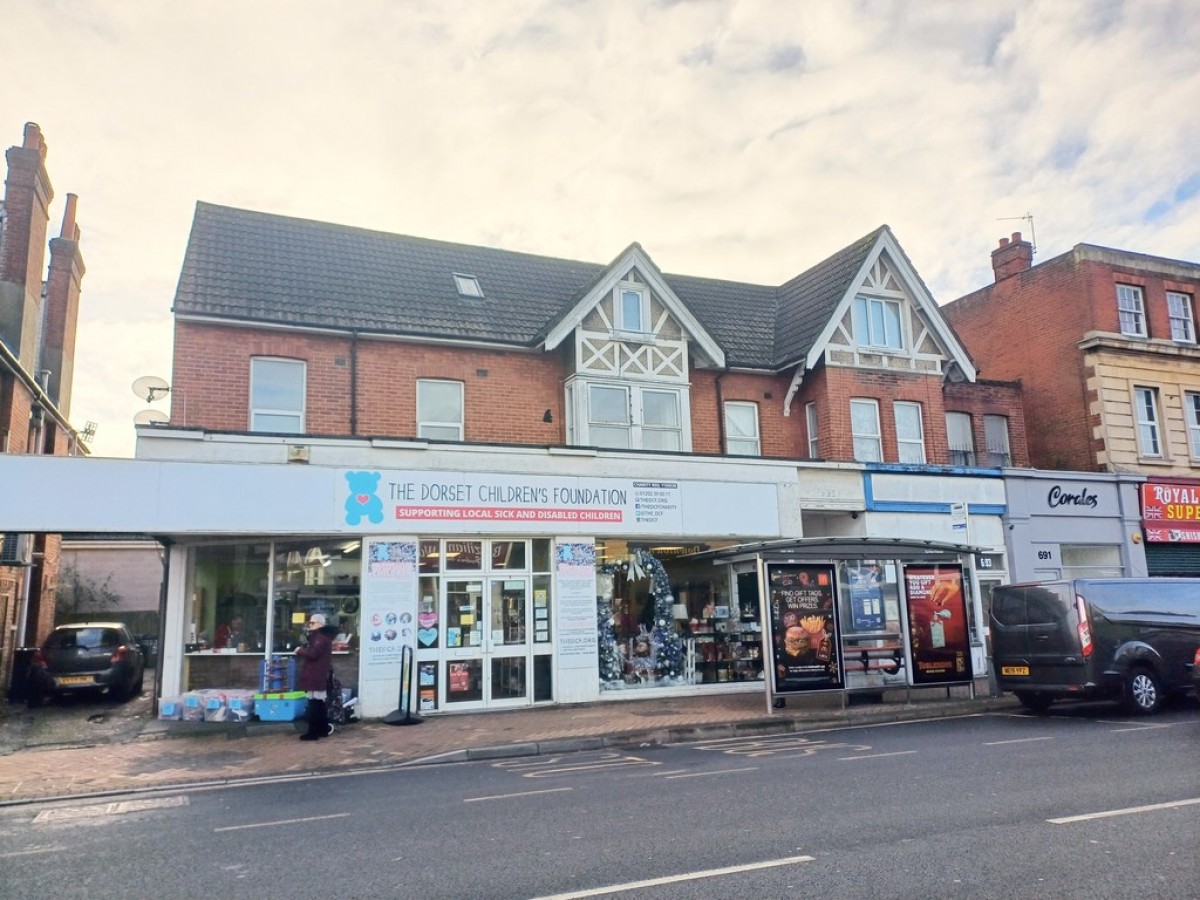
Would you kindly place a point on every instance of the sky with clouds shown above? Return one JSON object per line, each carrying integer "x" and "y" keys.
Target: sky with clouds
{"x": 739, "y": 139}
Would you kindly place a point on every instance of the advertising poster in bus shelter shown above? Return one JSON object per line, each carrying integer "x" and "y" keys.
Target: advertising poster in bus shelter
{"x": 937, "y": 622}
{"x": 804, "y": 632}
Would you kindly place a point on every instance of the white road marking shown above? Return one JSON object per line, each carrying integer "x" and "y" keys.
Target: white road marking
{"x": 675, "y": 879}
{"x": 1145, "y": 727}
{"x": 32, "y": 851}
{"x": 281, "y": 822}
{"x": 877, "y": 755}
{"x": 717, "y": 772}
{"x": 521, "y": 794}
{"x": 1128, "y": 811}
{"x": 1017, "y": 741}
{"x": 107, "y": 809}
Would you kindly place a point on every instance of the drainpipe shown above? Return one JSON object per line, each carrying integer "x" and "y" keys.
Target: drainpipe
{"x": 354, "y": 383}
{"x": 721, "y": 412}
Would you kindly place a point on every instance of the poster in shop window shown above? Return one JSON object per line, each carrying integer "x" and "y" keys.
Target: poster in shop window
{"x": 937, "y": 623}
{"x": 804, "y": 630}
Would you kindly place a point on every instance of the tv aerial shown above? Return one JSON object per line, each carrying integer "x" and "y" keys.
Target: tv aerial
{"x": 150, "y": 388}
{"x": 151, "y": 417}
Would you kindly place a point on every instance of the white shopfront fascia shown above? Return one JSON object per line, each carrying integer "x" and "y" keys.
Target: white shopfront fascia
{"x": 186, "y": 501}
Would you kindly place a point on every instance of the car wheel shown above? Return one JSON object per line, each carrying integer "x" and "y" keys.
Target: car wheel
{"x": 138, "y": 685}
{"x": 1143, "y": 692}
{"x": 34, "y": 700}
{"x": 1034, "y": 702}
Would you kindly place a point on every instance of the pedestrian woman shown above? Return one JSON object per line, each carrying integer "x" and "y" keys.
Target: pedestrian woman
{"x": 316, "y": 658}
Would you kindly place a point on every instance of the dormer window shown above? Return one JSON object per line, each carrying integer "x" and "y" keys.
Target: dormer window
{"x": 467, "y": 286}
{"x": 877, "y": 323}
{"x": 632, "y": 308}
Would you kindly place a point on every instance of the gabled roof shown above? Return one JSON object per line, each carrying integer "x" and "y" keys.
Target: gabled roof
{"x": 255, "y": 267}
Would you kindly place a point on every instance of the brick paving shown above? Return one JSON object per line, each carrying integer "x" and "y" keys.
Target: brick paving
{"x": 149, "y": 754}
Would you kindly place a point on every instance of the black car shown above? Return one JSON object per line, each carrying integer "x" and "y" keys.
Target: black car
{"x": 90, "y": 656}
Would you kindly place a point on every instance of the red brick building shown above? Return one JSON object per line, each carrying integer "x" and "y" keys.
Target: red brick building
{"x": 1104, "y": 345}
{"x": 291, "y": 326}
{"x": 37, "y": 349}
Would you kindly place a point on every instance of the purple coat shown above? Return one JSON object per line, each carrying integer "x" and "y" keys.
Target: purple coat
{"x": 316, "y": 659}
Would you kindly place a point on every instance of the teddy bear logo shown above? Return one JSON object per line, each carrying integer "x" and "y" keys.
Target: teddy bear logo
{"x": 362, "y": 501}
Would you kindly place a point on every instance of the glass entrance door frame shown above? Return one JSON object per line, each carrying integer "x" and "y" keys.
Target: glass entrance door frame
{"x": 487, "y": 655}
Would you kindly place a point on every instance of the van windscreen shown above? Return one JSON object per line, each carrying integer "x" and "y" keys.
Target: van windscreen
{"x": 1169, "y": 599}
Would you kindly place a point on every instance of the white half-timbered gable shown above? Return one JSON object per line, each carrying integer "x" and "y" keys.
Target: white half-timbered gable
{"x": 632, "y": 344}
{"x": 887, "y": 320}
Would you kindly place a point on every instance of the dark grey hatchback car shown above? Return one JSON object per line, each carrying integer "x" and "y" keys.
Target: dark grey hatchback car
{"x": 90, "y": 656}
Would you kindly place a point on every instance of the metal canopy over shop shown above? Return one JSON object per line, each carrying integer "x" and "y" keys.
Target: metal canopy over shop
{"x": 836, "y": 548}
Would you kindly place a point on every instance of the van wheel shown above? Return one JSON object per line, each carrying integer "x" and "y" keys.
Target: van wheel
{"x": 1034, "y": 702}
{"x": 1143, "y": 692}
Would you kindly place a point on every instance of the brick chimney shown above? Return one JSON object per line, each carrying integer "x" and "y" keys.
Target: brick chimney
{"x": 62, "y": 309}
{"x": 27, "y": 196}
{"x": 1012, "y": 256}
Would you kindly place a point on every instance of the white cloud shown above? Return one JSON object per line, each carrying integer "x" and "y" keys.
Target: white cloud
{"x": 744, "y": 140}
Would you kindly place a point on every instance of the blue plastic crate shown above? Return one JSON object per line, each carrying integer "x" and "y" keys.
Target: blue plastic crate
{"x": 280, "y": 710}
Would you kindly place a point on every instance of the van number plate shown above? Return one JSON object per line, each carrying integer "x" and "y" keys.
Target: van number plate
{"x": 1014, "y": 670}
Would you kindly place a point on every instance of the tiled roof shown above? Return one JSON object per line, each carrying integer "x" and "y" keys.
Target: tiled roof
{"x": 257, "y": 267}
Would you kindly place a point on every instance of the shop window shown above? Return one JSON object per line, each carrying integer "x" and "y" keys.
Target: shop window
{"x": 277, "y": 395}
{"x": 1091, "y": 561}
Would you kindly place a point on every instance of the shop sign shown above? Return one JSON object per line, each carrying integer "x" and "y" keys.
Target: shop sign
{"x": 803, "y": 627}
{"x": 1171, "y": 512}
{"x": 989, "y": 562}
{"x": 937, "y": 622}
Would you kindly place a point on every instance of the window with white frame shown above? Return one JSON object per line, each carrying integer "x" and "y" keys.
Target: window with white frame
{"x": 910, "y": 435}
{"x": 660, "y": 428}
{"x": 608, "y": 416}
{"x": 440, "y": 410}
{"x": 960, "y": 439}
{"x": 876, "y": 323}
{"x": 995, "y": 435}
{"x": 864, "y": 425}
{"x": 741, "y": 429}
{"x": 277, "y": 388}
{"x": 1179, "y": 309}
{"x": 810, "y": 421}
{"x": 1145, "y": 414}
{"x": 627, "y": 416}
{"x": 1131, "y": 310}
{"x": 632, "y": 308}
{"x": 1191, "y": 412}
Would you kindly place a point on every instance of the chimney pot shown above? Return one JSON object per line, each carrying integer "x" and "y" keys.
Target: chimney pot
{"x": 1014, "y": 255}
{"x": 1003, "y": 242}
{"x": 1016, "y": 237}
{"x": 68, "y": 225}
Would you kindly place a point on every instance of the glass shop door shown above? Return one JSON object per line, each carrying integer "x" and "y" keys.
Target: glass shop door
{"x": 486, "y": 661}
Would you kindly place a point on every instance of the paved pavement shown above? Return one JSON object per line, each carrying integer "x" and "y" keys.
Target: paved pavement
{"x": 96, "y": 748}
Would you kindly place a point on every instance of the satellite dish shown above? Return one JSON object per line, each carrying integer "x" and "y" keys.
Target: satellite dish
{"x": 150, "y": 388}
{"x": 151, "y": 417}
